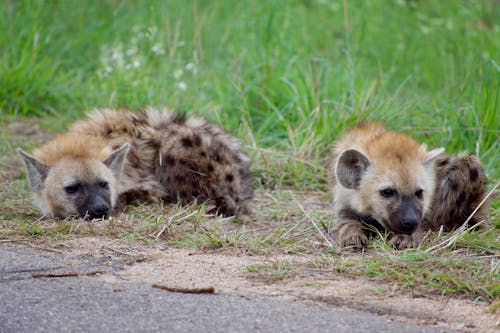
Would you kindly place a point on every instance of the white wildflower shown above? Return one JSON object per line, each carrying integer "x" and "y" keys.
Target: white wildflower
{"x": 131, "y": 51}
{"x": 157, "y": 49}
{"x": 178, "y": 73}
{"x": 190, "y": 67}
{"x": 182, "y": 85}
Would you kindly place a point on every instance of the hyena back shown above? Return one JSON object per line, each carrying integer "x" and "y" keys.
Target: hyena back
{"x": 164, "y": 156}
{"x": 388, "y": 181}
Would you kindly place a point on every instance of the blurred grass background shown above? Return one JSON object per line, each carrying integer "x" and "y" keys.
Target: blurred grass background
{"x": 285, "y": 76}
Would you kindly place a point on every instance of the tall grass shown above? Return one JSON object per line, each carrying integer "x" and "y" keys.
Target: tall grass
{"x": 284, "y": 75}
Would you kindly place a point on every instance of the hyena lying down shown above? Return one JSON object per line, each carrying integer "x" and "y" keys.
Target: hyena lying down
{"x": 386, "y": 180}
{"x": 120, "y": 157}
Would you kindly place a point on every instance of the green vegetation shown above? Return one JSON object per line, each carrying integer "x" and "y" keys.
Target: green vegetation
{"x": 285, "y": 76}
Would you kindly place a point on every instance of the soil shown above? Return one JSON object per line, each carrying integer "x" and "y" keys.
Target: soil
{"x": 229, "y": 273}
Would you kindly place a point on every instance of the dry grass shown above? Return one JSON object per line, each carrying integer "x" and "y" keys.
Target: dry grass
{"x": 464, "y": 263}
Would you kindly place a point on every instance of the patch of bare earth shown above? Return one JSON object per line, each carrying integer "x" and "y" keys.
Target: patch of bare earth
{"x": 229, "y": 273}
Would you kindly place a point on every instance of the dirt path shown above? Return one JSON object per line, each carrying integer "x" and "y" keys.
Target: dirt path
{"x": 230, "y": 274}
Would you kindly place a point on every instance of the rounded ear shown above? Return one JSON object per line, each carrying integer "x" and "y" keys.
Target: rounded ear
{"x": 351, "y": 165}
{"x": 431, "y": 156}
{"x": 116, "y": 160}
{"x": 37, "y": 171}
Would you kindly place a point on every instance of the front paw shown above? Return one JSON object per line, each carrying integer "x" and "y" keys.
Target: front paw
{"x": 352, "y": 236}
{"x": 402, "y": 241}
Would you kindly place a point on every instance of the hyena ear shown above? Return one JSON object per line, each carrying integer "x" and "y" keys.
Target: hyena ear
{"x": 431, "y": 156}
{"x": 37, "y": 171}
{"x": 116, "y": 160}
{"x": 350, "y": 167}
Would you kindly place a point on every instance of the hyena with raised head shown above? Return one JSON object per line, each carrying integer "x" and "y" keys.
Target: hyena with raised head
{"x": 120, "y": 157}
{"x": 388, "y": 181}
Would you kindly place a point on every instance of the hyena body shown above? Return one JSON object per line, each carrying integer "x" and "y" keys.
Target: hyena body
{"x": 386, "y": 180}
{"x": 120, "y": 157}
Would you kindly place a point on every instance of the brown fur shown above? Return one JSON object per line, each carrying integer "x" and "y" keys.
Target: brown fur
{"x": 461, "y": 186}
{"x": 369, "y": 159}
{"x": 171, "y": 157}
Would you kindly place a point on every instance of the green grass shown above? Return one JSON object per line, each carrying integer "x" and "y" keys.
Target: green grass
{"x": 287, "y": 77}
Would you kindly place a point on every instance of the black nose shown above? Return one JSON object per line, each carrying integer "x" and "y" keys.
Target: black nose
{"x": 410, "y": 221}
{"x": 99, "y": 209}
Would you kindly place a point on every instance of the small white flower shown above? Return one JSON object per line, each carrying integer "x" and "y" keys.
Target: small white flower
{"x": 136, "y": 63}
{"x": 182, "y": 85}
{"x": 157, "y": 49}
{"x": 131, "y": 51}
{"x": 190, "y": 67}
{"x": 108, "y": 69}
{"x": 178, "y": 73}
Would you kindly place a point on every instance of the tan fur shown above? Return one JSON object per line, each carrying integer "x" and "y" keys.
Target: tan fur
{"x": 396, "y": 161}
{"x": 171, "y": 158}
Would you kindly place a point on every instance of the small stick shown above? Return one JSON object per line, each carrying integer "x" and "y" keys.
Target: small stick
{"x": 54, "y": 275}
{"x": 207, "y": 290}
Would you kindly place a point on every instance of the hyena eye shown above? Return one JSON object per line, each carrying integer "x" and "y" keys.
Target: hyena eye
{"x": 71, "y": 189}
{"x": 104, "y": 184}
{"x": 387, "y": 192}
{"x": 419, "y": 194}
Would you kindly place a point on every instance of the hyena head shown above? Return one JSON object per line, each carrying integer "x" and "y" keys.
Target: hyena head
{"x": 395, "y": 189}
{"x": 76, "y": 185}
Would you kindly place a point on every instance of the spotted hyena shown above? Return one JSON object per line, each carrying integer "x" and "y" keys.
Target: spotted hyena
{"x": 388, "y": 181}
{"x": 119, "y": 157}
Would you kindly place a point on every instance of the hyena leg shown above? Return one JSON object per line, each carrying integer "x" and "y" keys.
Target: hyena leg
{"x": 349, "y": 230}
{"x": 460, "y": 189}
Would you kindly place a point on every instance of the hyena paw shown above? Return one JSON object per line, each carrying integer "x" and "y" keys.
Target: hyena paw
{"x": 402, "y": 241}
{"x": 355, "y": 239}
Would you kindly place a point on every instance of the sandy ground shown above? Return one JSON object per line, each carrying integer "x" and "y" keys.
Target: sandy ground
{"x": 182, "y": 268}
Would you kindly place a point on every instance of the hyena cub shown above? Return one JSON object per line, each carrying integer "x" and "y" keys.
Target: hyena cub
{"x": 120, "y": 157}
{"x": 387, "y": 180}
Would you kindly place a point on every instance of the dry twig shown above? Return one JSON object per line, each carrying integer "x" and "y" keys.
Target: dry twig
{"x": 207, "y": 290}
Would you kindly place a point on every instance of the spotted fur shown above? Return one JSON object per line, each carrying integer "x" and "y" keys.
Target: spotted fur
{"x": 461, "y": 188}
{"x": 387, "y": 181}
{"x": 170, "y": 157}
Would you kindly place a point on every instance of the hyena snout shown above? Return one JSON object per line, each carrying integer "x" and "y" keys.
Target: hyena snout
{"x": 99, "y": 209}
{"x": 410, "y": 220}
{"x": 95, "y": 207}
{"x": 406, "y": 218}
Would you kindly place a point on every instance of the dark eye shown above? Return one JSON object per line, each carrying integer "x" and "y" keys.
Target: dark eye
{"x": 387, "y": 192}
{"x": 104, "y": 184}
{"x": 419, "y": 194}
{"x": 71, "y": 189}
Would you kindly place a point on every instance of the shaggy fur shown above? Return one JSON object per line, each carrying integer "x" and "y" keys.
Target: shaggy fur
{"x": 170, "y": 157}
{"x": 461, "y": 186}
{"x": 386, "y": 180}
